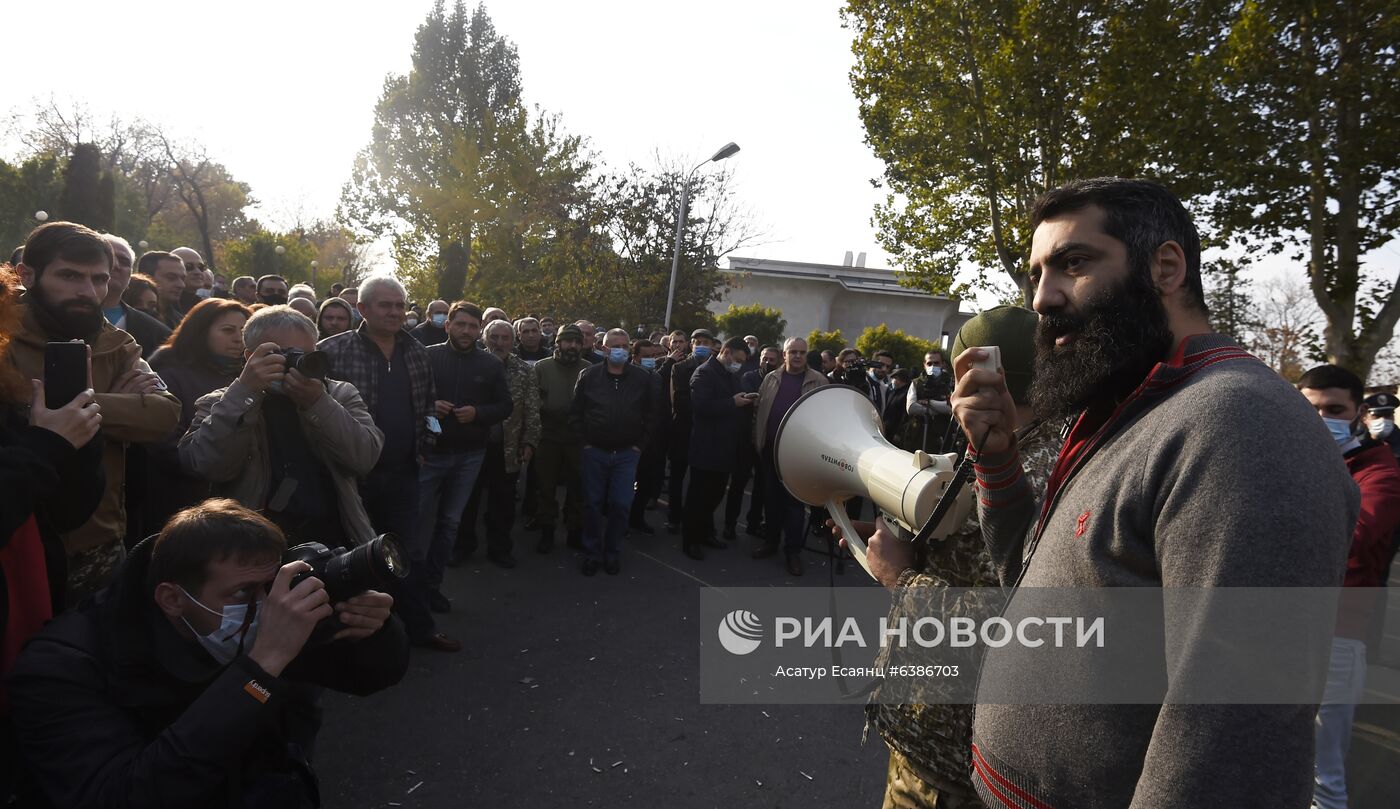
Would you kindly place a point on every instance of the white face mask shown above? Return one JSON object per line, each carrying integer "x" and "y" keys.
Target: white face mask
{"x": 733, "y": 366}
{"x": 410, "y": 322}
{"x": 934, "y": 371}
{"x": 224, "y": 643}
{"x": 203, "y": 293}
{"x": 1380, "y": 428}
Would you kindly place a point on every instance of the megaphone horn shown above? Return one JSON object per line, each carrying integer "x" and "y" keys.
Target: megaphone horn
{"x": 829, "y": 449}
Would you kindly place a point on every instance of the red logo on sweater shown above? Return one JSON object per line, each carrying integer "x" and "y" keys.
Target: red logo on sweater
{"x": 1081, "y": 526}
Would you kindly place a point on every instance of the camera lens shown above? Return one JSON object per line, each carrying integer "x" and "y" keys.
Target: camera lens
{"x": 378, "y": 563}
{"x": 313, "y": 365}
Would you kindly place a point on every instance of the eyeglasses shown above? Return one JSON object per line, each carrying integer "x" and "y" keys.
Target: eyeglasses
{"x": 189, "y": 266}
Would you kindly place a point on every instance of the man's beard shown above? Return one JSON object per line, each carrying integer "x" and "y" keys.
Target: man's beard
{"x": 1120, "y": 336}
{"x": 273, "y": 300}
{"x": 70, "y": 320}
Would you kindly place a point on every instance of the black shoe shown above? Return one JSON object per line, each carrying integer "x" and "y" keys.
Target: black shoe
{"x": 718, "y": 544}
{"x": 612, "y": 568}
{"x": 765, "y": 550}
{"x": 439, "y": 603}
{"x": 641, "y": 527}
{"x": 755, "y": 529}
{"x": 504, "y": 560}
{"x": 458, "y": 558}
{"x": 590, "y": 567}
{"x": 729, "y": 533}
{"x": 673, "y": 527}
{"x": 694, "y": 552}
{"x": 546, "y": 543}
{"x": 440, "y": 642}
{"x": 794, "y": 564}
{"x": 575, "y": 539}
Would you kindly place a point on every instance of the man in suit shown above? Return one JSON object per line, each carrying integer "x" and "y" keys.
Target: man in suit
{"x": 148, "y": 332}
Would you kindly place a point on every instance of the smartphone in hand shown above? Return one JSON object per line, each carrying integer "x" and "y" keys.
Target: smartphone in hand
{"x": 65, "y": 373}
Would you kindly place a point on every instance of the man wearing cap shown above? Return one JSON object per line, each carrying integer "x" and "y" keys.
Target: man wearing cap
{"x": 558, "y": 458}
{"x": 702, "y": 345}
{"x": 930, "y": 745}
{"x": 1379, "y": 416}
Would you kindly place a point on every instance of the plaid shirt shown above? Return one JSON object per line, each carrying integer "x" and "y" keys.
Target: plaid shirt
{"x": 355, "y": 358}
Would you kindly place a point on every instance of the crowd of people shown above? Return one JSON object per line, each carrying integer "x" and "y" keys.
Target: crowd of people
{"x": 224, "y": 423}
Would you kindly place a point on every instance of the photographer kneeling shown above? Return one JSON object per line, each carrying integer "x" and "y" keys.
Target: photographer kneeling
{"x": 189, "y": 681}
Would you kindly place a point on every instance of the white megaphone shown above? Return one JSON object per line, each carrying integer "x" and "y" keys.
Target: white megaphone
{"x": 829, "y": 449}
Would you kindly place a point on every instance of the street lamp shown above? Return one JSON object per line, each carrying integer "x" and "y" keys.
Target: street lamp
{"x": 727, "y": 150}
{"x": 143, "y": 244}
{"x": 277, "y": 262}
{"x": 314, "y": 284}
{"x": 41, "y": 216}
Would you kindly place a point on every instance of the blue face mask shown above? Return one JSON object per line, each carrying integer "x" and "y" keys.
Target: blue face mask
{"x": 649, "y": 363}
{"x": 224, "y": 643}
{"x": 1340, "y": 429}
{"x": 439, "y": 320}
{"x": 702, "y": 352}
{"x": 618, "y": 356}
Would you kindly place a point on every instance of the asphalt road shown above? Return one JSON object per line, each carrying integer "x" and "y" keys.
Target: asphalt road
{"x": 563, "y": 676}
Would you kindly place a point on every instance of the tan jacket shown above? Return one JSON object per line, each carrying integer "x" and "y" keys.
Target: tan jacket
{"x": 127, "y": 418}
{"x": 227, "y": 445}
{"x": 768, "y": 391}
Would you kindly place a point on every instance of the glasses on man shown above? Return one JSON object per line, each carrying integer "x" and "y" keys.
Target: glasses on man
{"x": 189, "y": 267}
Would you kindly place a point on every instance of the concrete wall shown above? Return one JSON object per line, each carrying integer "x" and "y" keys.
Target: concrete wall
{"x": 825, "y": 304}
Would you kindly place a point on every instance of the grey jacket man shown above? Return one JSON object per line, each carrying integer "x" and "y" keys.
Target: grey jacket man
{"x": 1214, "y": 473}
{"x": 768, "y": 391}
{"x": 227, "y": 445}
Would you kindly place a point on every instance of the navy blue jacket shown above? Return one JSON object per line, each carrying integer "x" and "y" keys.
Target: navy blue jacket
{"x": 714, "y": 432}
{"x": 474, "y": 378}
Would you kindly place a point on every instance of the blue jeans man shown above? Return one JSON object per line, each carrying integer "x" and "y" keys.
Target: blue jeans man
{"x": 608, "y": 477}
{"x": 445, "y": 483}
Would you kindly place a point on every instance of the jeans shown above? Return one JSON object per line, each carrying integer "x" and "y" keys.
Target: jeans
{"x": 390, "y": 495}
{"x": 1346, "y": 683}
{"x": 608, "y": 477}
{"x": 496, "y": 487}
{"x": 445, "y": 481}
{"x": 787, "y": 518}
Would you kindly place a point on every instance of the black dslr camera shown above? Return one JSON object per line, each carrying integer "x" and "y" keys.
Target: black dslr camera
{"x": 379, "y": 563}
{"x": 310, "y": 364}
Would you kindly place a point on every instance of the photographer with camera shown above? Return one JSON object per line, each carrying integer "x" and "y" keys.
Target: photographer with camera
{"x": 192, "y": 679}
{"x": 283, "y": 439}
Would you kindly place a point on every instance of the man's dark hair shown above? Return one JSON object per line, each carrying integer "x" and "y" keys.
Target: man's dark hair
{"x": 769, "y": 347}
{"x": 337, "y": 288}
{"x": 16, "y": 256}
{"x": 736, "y": 344}
{"x": 269, "y": 278}
{"x": 828, "y": 354}
{"x": 464, "y": 306}
{"x": 149, "y": 260}
{"x": 212, "y": 531}
{"x": 884, "y": 352}
{"x": 68, "y": 241}
{"x": 1141, "y": 214}
{"x": 1333, "y": 376}
{"x": 190, "y": 340}
{"x": 640, "y": 344}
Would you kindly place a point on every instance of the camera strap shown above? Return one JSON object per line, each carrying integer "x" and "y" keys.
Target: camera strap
{"x": 950, "y": 495}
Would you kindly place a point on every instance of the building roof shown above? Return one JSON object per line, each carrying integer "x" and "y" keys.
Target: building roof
{"x": 860, "y": 279}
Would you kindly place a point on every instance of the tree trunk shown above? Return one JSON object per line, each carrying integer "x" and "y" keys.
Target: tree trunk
{"x": 454, "y": 258}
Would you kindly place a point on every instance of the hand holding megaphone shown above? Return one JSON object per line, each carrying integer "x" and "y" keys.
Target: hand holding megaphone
{"x": 981, "y": 402}
{"x": 887, "y": 555}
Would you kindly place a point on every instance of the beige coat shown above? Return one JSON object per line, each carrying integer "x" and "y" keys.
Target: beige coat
{"x": 768, "y": 391}
{"x": 127, "y": 418}
{"x": 227, "y": 445}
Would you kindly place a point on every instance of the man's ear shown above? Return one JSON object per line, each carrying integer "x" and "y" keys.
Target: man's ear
{"x": 170, "y": 599}
{"x": 26, "y": 275}
{"x": 1169, "y": 269}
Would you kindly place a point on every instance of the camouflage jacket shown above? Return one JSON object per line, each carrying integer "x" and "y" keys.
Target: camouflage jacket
{"x": 523, "y": 427}
{"x": 937, "y": 738}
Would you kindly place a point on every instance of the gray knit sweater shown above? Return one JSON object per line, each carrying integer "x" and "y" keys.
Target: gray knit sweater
{"x": 1215, "y": 472}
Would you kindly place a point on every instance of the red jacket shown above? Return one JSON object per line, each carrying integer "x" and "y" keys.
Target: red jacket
{"x": 1377, "y": 475}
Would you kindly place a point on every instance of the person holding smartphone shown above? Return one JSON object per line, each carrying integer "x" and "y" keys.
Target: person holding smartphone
{"x": 66, "y": 268}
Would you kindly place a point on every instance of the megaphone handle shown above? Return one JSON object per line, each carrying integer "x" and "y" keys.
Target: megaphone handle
{"x": 853, "y": 539}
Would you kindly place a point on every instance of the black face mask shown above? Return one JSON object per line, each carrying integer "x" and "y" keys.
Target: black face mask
{"x": 272, "y": 299}
{"x": 1120, "y": 336}
{"x": 72, "y": 320}
{"x": 569, "y": 355}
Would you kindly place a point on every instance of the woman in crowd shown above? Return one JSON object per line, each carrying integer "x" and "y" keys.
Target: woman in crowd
{"x": 141, "y": 294}
{"x": 204, "y": 354}
{"x": 335, "y": 317}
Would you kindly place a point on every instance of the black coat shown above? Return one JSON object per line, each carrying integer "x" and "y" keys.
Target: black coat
{"x": 148, "y": 332}
{"x": 169, "y": 487}
{"x": 112, "y": 707}
{"x": 428, "y": 334}
{"x": 681, "y": 374}
{"x": 473, "y": 378}
{"x": 896, "y": 409}
{"x": 615, "y": 412}
{"x": 714, "y": 433}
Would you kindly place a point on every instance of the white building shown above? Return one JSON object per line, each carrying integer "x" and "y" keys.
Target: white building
{"x": 848, "y": 297}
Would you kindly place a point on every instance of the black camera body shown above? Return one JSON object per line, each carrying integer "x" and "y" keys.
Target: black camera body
{"x": 310, "y": 364}
{"x": 346, "y": 573}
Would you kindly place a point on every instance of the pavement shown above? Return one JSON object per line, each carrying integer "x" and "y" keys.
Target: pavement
{"x": 575, "y": 692}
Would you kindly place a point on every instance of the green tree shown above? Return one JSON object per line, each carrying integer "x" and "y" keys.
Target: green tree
{"x": 764, "y": 322}
{"x": 36, "y": 184}
{"x": 819, "y": 341}
{"x": 1311, "y": 167}
{"x": 1232, "y": 309}
{"x": 82, "y": 178}
{"x": 256, "y": 255}
{"x": 977, "y": 107}
{"x": 455, "y": 156}
{"x": 908, "y": 350}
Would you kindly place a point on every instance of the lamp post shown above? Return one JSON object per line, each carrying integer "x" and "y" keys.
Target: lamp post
{"x": 277, "y": 262}
{"x": 143, "y": 244}
{"x": 314, "y": 284}
{"x": 726, "y": 151}
{"x": 41, "y": 216}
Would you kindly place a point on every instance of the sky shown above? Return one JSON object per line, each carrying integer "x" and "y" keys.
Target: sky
{"x": 283, "y": 93}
